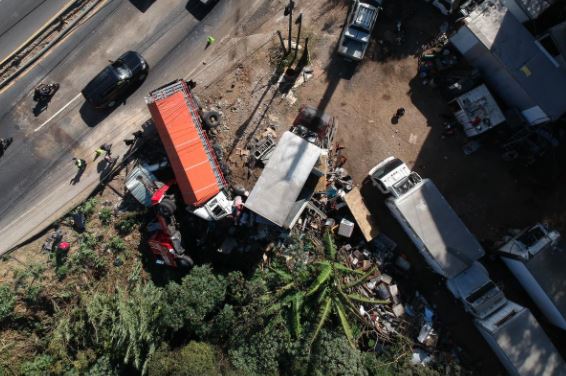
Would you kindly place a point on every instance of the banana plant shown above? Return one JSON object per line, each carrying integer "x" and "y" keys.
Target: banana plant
{"x": 327, "y": 295}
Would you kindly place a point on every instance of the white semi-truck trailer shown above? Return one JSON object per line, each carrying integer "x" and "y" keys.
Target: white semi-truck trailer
{"x": 452, "y": 251}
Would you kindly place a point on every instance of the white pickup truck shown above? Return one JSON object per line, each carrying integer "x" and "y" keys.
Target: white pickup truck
{"x": 358, "y": 29}
{"x": 451, "y": 250}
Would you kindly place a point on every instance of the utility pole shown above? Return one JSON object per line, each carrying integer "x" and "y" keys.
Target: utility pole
{"x": 289, "y": 12}
{"x": 300, "y": 22}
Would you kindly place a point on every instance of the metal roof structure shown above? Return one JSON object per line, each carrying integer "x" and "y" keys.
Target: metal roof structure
{"x": 512, "y": 61}
{"x": 277, "y": 190}
{"x": 450, "y": 243}
{"x": 524, "y": 343}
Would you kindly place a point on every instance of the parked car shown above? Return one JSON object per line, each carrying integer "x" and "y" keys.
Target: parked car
{"x": 357, "y": 31}
{"x": 116, "y": 81}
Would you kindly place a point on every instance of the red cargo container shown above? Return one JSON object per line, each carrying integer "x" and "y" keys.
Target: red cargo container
{"x": 177, "y": 120}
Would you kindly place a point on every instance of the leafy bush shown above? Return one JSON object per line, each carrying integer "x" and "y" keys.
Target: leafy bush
{"x": 116, "y": 244}
{"x": 90, "y": 240}
{"x": 126, "y": 225}
{"x": 105, "y": 216}
{"x": 88, "y": 207}
{"x": 190, "y": 304}
{"x": 194, "y": 359}
{"x": 86, "y": 258}
{"x": 7, "y": 302}
{"x": 333, "y": 355}
{"x": 39, "y": 366}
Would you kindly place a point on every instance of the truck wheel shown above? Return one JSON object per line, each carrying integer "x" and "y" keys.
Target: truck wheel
{"x": 211, "y": 119}
{"x": 185, "y": 262}
{"x": 167, "y": 207}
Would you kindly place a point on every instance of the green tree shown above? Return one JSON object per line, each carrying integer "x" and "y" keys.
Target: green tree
{"x": 261, "y": 352}
{"x": 7, "y": 302}
{"x": 138, "y": 330}
{"x": 191, "y": 304}
{"x": 332, "y": 355}
{"x": 194, "y": 359}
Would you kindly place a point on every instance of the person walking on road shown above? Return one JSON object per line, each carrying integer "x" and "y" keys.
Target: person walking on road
{"x": 103, "y": 149}
{"x": 80, "y": 163}
{"x": 209, "y": 40}
{"x": 81, "y": 166}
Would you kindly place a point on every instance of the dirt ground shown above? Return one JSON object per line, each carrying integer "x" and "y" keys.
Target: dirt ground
{"x": 489, "y": 194}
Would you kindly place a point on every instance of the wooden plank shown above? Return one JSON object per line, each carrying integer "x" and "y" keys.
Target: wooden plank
{"x": 361, "y": 214}
{"x": 323, "y": 167}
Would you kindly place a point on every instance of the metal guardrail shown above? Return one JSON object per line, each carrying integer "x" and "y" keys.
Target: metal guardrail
{"x": 51, "y": 27}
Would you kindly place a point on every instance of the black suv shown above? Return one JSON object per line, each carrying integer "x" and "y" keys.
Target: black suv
{"x": 116, "y": 80}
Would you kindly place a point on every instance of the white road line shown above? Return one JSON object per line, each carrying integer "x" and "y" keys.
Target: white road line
{"x": 57, "y": 113}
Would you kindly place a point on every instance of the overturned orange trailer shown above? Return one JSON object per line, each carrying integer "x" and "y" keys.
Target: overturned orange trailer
{"x": 177, "y": 119}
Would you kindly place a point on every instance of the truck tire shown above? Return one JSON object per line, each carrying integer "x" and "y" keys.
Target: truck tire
{"x": 167, "y": 207}
{"x": 185, "y": 262}
{"x": 211, "y": 119}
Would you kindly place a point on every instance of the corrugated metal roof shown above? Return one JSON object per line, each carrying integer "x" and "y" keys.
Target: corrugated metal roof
{"x": 277, "y": 189}
{"x": 524, "y": 59}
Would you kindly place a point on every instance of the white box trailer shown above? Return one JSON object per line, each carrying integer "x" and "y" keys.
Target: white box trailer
{"x": 519, "y": 342}
{"x": 439, "y": 234}
{"x": 453, "y": 252}
{"x": 537, "y": 258}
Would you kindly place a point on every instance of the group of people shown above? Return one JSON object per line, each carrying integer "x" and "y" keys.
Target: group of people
{"x": 106, "y": 150}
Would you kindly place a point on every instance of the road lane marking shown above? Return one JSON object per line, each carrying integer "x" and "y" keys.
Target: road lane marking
{"x": 57, "y": 113}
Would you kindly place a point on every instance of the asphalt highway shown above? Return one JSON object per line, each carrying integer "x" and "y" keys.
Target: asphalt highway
{"x": 22, "y": 18}
{"x": 36, "y": 171}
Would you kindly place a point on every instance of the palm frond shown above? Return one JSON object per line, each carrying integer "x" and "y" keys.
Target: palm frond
{"x": 296, "y": 305}
{"x": 344, "y": 322}
{"x": 322, "y": 277}
{"x": 362, "y": 279}
{"x": 283, "y": 275}
{"x": 322, "y": 317}
{"x": 329, "y": 245}
{"x": 363, "y": 299}
{"x": 343, "y": 268}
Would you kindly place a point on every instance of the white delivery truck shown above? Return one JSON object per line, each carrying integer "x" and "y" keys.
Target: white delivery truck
{"x": 441, "y": 237}
{"x": 537, "y": 258}
{"x": 451, "y": 250}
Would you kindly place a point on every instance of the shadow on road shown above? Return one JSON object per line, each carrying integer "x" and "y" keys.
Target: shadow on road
{"x": 198, "y": 9}
{"x": 337, "y": 70}
{"x": 92, "y": 116}
{"x": 142, "y": 5}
